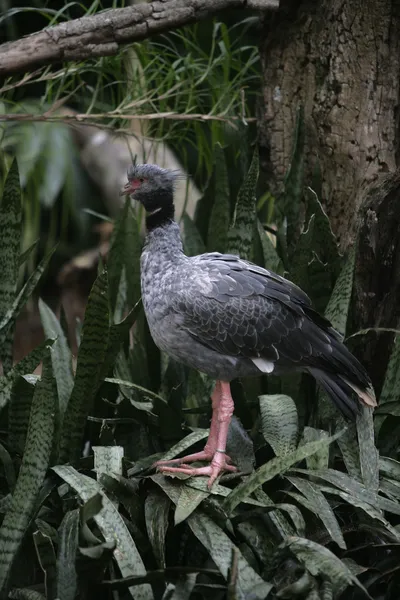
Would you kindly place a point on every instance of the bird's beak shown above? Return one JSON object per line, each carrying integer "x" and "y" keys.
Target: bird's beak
{"x": 126, "y": 190}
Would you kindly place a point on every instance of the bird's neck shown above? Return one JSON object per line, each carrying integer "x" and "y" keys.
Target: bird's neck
{"x": 162, "y": 214}
{"x": 164, "y": 240}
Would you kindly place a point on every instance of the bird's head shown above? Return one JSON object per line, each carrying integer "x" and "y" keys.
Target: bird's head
{"x": 150, "y": 185}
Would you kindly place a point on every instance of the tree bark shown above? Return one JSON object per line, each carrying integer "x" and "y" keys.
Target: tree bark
{"x": 340, "y": 59}
{"x": 104, "y": 33}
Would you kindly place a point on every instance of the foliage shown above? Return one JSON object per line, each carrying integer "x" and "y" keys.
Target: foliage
{"x": 311, "y": 514}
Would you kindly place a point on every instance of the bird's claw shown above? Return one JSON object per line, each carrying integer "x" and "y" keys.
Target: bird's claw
{"x": 218, "y": 466}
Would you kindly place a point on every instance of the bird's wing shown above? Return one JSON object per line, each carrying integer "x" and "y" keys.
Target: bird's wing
{"x": 239, "y": 309}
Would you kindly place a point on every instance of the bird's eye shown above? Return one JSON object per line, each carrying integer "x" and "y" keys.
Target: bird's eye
{"x": 141, "y": 179}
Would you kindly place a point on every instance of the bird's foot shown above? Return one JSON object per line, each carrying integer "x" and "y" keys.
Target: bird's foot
{"x": 207, "y": 455}
{"x": 219, "y": 464}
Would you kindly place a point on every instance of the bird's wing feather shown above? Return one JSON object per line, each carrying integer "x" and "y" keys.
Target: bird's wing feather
{"x": 240, "y": 309}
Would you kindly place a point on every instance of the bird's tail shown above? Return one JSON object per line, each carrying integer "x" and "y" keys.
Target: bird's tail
{"x": 347, "y": 396}
{"x": 344, "y": 379}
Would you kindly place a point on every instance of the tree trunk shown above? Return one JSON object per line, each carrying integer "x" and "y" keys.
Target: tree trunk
{"x": 340, "y": 59}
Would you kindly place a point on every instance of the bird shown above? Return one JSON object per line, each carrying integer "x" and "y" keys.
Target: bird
{"x": 229, "y": 318}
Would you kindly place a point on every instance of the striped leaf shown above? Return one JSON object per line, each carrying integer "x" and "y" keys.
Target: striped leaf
{"x": 116, "y": 254}
{"x": 242, "y": 230}
{"x": 321, "y": 561}
{"x": 321, "y": 508}
{"x": 272, "y": 261}
{"x": 132, "y": 252}
{"x": 325, "y": 242}
{"x": 19, "y": 411}
{"x": 220, "y": 548}
{"x": 47, "y": 560}
{"x": 280, "y": 425}
{"x": 10, "y": 243}
{"x": 68, "y": 536}
{"x": 24, "y": 294}
{"x": 61, "y": 357}
{"x": 391, "y": 384}
{"x": 38, "y": 447}
{"x": 271, "y": 469}
{"x": 25, "y": 366}
{"x": 221, "y": 212}
{"x": 337, "y": 310}
{"x": 91, "y": 355}
{"x": 113, "y": 528}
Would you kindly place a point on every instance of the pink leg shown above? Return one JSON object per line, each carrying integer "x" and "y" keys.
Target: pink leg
{"x": 212, "y": 442}
{"x": 219, "y": 462}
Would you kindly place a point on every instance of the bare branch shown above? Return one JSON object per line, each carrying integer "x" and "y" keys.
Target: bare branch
{"x": 103, "y": 34}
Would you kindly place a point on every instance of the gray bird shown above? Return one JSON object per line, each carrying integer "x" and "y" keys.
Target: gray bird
{"x": 229, "y": 318}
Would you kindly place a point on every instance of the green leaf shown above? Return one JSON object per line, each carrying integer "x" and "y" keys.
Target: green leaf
{"x": 27, "y": 253}
{"x": 349, "y": 448}
{"x": 369, "y": 455}
{"x": 338, "y": 306}
{"x": 113, "y": 528}
{"x": 38, "y": 447}
{"x": 321, "y": 561}
{"x": 353, "y": 488}
{"x": 25, "y": 366}
{"x": 8, "y": 468}
{"x": 132, "y": 252}
{"x": 320, "y": 459}
{"x": 55, "y": 159}
{"x": 220, "y": 213}
{"x": 184, "y": 444}
{"x": 391, "y": 384}
{"x": 61, "y": 357}
{"x": 10, "y": 242}
{"x": 192, "y": 240}
{"x": 47, "y": 560}
{"x": 279, "y": 422}
{"x": 68, "y": 535}
{"x": 90, "y": 360}
{"x": 24, "y": 294}
{"x": 274, "y": 467}
{"x": 325, "y": 243}
{"x": 321, "y": 508}
{"x": 19, "y": 411}
{"x": 116, "y": 255}
{"x": 116, "y": 336}
{"x": 25, "y": 594}
{"x": 220, "y": 548}
{"x": 241, "y": 232}
{"x": 272, "y": 262}
{"x": 156, "y": 510}
{"x": 189, "y": 499}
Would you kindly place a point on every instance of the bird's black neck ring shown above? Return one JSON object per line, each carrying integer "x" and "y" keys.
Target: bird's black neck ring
{"x": 161, "y": 214}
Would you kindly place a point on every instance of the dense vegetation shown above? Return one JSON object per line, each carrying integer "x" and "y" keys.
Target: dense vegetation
{"x": 313, "y": 512}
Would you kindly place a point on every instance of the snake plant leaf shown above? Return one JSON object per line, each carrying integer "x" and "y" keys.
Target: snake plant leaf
{"x": 10, "y": 243}
{"x": 68, "y": 535}
{"x": 220, "y": 213}
{"x": 280, "y": 426}
{"x": 36, "y": 459}
{"x": 112, "y": 527}
{"x": 61, "y": 356}
{"x": 91, "y": 355}
{"x": 243, "y": 227}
